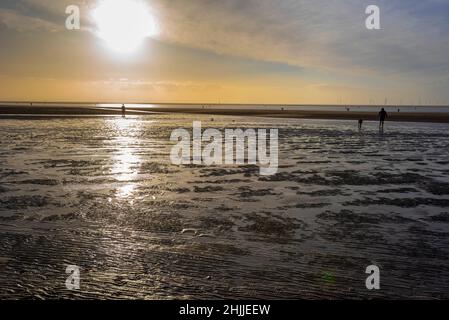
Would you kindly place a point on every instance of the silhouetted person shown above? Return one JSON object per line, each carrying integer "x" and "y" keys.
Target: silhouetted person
{"x": 123, "y": 110}
{"x": 382, "y": 116}
{"x": 360, "y": 124}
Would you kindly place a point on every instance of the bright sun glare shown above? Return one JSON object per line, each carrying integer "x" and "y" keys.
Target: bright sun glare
{"x": 123, "y": 24}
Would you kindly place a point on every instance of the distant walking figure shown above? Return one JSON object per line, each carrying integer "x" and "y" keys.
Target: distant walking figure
{"x": 360, "y": 124}
{"x": 382, "y": 116}
{"x": 123, "y": 110}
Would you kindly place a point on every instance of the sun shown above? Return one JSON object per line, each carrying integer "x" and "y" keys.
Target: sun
{"x": 123, "y": 24}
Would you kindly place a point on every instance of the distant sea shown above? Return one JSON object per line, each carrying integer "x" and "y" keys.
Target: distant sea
{"x": 332, "y": 108}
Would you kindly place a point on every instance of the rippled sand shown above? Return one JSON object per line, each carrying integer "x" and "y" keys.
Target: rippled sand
{"x": 101, "y": 193}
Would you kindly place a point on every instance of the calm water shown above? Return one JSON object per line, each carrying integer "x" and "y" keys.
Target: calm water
{"x": 102, "y": 194}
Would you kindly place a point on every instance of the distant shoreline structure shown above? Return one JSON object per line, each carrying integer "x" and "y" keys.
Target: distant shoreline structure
{"x": 274, "y": 111}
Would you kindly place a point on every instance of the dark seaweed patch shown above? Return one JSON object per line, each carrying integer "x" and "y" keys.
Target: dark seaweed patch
{"x": 277, "y": 226}
{"x": 23, "y": 202}
{"x": 207, "y": 189}
{"x": 400, "y": 202}
{"x": 247, "y": 192}
{"x": 442, "y": 217}
{"x": 321, "y": 193}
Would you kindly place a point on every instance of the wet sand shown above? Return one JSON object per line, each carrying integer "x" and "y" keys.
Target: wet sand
{"x": 329, "y": 115}
{"x": 101, "y": 193}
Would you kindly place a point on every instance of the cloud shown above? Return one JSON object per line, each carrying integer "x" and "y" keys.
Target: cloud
{"x": 20, "y": 22}
{"x": 169, "y": 86}
{"x": 320, "y": 34}
{"x": 309, "y": 33}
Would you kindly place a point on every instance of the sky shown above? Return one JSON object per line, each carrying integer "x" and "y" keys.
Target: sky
{"x": 230, "y": 51}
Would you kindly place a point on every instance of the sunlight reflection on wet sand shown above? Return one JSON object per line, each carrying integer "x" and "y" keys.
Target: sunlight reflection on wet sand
{"x": 102, "y": 193}
{"x": 126, "y": 159}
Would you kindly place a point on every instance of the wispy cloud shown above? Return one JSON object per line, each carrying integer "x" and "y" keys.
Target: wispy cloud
{"x": 16, "y": 21}
{"x": 310, "y": 33}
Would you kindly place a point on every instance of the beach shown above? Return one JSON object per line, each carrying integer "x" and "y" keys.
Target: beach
{"x": 232, "y": 158}
{"x": 270, "y": 112}
{"x": 101, "y": 193}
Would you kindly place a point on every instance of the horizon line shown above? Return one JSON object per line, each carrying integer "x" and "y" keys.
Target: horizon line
{"x": 220, "y": 104}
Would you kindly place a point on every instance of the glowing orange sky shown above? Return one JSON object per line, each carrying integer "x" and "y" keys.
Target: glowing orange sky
{"x": 226, "y": 51}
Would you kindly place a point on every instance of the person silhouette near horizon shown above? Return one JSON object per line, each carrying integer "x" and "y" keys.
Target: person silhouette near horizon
{"x": 123, "y": 110}
{"x": 382, "y": 116}
{"x": 360, "y": 124}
